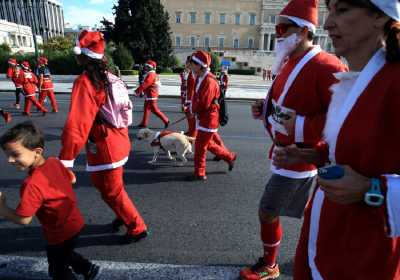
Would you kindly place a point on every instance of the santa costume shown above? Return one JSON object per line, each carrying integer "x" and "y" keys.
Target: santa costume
{"x": 13, "y": 72}
{"x": 46, "y": 86}
{"x": 107, "y": 147}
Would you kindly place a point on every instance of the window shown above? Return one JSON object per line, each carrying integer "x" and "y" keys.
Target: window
{"x": 177, "y": 41}
{"x": 206, "y": 42}
{"x": 236, "y": 43}
{"x": 192, "y": 17}
{"x": 272, "y": 19}
{"x": 222, "y": 18}
{"x": 252, "y": 19}
{"x": 193, "y": 42}
{"x": 207, "y": 18}
{"x": 272, "y": 43}
{"x": 237, "y": 19}
{"x": 221, "y": 43}
{"x": 251, "y": 43}
{"x": 178, "y": 17}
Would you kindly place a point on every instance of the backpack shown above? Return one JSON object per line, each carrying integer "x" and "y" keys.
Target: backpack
{"x": 117, "y": 110}
{"x": 223, "y": 108}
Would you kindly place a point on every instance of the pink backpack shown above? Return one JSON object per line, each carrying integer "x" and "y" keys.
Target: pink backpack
{"x": 117, "y": 109}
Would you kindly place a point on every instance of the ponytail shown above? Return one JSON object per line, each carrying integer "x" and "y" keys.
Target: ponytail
{"x": 392, "y": 31}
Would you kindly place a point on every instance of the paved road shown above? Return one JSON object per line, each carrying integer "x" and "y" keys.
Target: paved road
{"x": 209, "y": 225}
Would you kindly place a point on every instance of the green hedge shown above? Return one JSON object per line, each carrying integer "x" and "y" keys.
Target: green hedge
{"x": 242, "y": 71}
{"x": 129, "y": 72}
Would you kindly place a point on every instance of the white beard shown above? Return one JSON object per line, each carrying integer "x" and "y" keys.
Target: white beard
{"x": 284, "y": 47}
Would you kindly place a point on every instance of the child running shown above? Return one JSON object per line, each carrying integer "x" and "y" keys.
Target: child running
{"x": 47, "y": 193}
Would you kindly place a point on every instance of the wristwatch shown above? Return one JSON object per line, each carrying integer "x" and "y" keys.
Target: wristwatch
{"x": 374, "y": 196}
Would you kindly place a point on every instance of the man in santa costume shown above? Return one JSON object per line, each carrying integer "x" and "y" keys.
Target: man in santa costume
{"x": 187, "y": 90}
{"x": 29, "y": 86}
{"x": 46, "y": 86}
{"x": 206, "y": 109}
{"x": 13, "y": 72}
{"x": 107, "y": 147}
{"x": 150, "y": 89}
{"x": 293, "y": 112}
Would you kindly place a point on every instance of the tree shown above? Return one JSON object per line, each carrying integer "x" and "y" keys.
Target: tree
{"x": 122, "y": 57}
{"x": 142, "y": 26}
{"x": 215, "y": 63}
{"x": 58, "y": 44}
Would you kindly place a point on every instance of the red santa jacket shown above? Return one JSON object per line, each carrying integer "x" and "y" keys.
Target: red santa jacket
{"x": 205, "y": 103}
{"x": 150, "y": 86}
{"x": 364, "y": 236}
{"x": 14, "y": 74}
{"x": 45, "y": 81}
{"x": 107, "y": 147}
{"x": 28, "y": 81}
{"x": 309, "y": 97}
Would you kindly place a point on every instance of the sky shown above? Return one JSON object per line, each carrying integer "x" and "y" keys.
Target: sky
{"x": 87, "y": 12}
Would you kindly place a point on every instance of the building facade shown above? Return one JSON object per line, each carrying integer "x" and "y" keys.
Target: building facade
{"x": 45, "y": 17}
{"x": 241, "y": 31}
{"x": 18, "y": 37}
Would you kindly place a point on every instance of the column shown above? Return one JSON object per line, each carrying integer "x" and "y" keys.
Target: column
{"x": 268, "y": 42}
{"x": 261, "y": 47}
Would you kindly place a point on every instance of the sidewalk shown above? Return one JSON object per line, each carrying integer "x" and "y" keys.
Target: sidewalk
{"x": 240, "y": 87}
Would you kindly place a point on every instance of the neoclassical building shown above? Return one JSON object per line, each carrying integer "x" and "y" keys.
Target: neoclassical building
{"x": 241, "y": 31}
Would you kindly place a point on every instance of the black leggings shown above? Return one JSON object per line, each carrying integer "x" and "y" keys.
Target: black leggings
{"x": 18, "y": 92}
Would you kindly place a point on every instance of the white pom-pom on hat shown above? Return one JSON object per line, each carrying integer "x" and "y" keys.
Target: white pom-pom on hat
{"x": 77, "y": 50}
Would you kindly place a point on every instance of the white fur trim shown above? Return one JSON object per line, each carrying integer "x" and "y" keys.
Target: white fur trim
{"x": 301, "y": 22}
{"x": 392, "y": 203}
{"x": 389, "y": 7}
{"x": 199, "y": 61}
{"x": 68, "y": 163}
{"x": 205, "y": 129}
{"x": 149, "y": 65}
{"x": 293, "y": 174}
{"x": 153, "y": 98}
{"x": 77, "y": 50}
{"x": 92, "y": 54}
{"x": 107, "y": 166}
{"x": 313, "y": 235}
{"x": 299, "y": 129}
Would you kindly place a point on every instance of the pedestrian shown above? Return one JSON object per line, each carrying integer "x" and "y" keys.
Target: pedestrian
{"x": 205, "y": 107}
{"x": 223, "y": 87}
{"x": 6, "y": 115}
{"x": 150, "y": 90}
{"x": 187, "y": 90}
{"x": 293, "y": 113}
{"x": 353, "y": 221}
{"x": 107, "y": 147}
{"x": 29, "y": 86}
{"x": 264, "y": 74}
{"x": 13, "y": 72}
{"x": 46, "y": 86}
{"x": 47, "y": 194}
{"x": 141, "y": 74}
{"x": 269, "y": 74}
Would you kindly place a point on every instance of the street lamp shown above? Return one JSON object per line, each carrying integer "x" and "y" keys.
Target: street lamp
{"x": 33, "y": 26}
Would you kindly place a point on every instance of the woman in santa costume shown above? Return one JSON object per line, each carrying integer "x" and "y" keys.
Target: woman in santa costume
{"x": 351, "y": 227}
{"x": 13, "y": 72}
{"x": 206, "y": 109}
{"x": 46, "y": 87}
{"x": 29, "y": 86}
{"x": 107, "y": 147}
{"x": 294, "y": 113}
{"x": 150, "y": 89}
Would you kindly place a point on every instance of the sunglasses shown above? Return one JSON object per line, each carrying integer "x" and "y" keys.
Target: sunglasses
{"x": 282, "y": 28}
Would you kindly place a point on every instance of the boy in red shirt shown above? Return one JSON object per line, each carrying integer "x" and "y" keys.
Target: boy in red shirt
{"x": 47, "y": 193}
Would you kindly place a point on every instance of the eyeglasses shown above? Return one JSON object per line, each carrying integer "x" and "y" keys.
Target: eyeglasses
{"x": 282, "y": 28}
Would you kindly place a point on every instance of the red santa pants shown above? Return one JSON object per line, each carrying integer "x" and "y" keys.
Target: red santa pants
{"x": 152, "y": 106}
{"x": 29, "y": 100}
{"x": 191, "y": 120}
{"x": 207, "y": 141}
{"x": 50, "y": 93}
{"x": 110, "y": 184}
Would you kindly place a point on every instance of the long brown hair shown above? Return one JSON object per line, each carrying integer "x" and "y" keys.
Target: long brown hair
{"x": 97, "y": 70}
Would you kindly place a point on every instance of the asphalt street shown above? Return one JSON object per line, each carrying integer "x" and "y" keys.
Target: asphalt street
{"x": 191, "y": 223}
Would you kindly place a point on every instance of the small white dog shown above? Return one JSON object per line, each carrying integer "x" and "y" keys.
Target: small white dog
{"x": 168, "y": 141}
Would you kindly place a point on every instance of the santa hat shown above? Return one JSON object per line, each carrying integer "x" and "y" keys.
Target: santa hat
{"x": 12, "y": 61}
{"x": 91, "y": 44}
{"x": 302, "y": 12}
{"x": 389, "y": 7}
{"x": 151, "y": 63}
{"x": 25, "y": 65}
{"x": 202, "y": 58}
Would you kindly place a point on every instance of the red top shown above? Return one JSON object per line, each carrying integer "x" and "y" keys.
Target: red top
{"x": 28, "y": 81}
{"x": 47, "y": 193}
{"x": 150, "y": 85}
{"x": 11, "y": 74}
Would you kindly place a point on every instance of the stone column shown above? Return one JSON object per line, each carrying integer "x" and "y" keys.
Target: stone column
{"x": 268, "y": 41}
{"x": 261, "y": 48}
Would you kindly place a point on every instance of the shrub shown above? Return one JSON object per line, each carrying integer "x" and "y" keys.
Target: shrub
{"x": 215, "y": 63}
{"x": 122, "y": 57}
{"x": 242, "y": 71}
{"x": 129, "y": 72}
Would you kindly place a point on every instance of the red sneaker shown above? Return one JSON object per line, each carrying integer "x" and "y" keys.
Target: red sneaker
{"x": 259, "y": 271}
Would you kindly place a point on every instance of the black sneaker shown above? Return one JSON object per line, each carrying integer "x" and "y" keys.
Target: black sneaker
{"x": 93, "y": 272}
{"x": 193, "y": 178}
{"x": 216, "y": 158}
{"x": 130, "y": 238}
{"x": 166, "y": 125}
{"x": 141, "y": 126}
{"x": 116, "y": 224}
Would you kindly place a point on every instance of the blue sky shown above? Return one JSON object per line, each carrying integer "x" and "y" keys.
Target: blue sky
{"x": 87, "y": 12}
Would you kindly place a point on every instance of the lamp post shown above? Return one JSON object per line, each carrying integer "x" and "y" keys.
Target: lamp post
{"x": 33, "y": 26}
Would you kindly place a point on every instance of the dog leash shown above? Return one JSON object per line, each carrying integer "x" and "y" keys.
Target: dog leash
{"x": 177, "y": 121}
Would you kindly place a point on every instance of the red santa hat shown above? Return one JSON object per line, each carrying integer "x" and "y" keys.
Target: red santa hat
{"x": 91, "y": 44}
{"x": 12, "y": 61}
{"x": 25, "y": 65}
{"x": 389, "y": 7}
{"x": 202, "y": 58}
{"x": 151, "y": 63}
{"x": 302, "y": 12}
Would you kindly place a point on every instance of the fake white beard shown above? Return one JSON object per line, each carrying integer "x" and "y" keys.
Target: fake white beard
{"x": 284, "y": 47}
